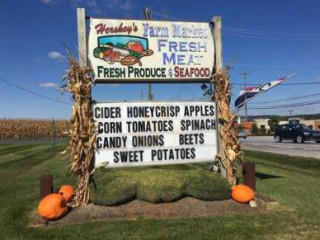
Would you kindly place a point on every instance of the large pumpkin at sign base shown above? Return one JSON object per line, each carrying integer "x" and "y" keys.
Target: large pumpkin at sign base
{"x": 67, "y": 191}
{"x": 52, "y": 206}
{"x": 242, "y": 193}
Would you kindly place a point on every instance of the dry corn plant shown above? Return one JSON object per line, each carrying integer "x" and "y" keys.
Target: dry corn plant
{"x": 82, "y": 129}
{"x": 230, "y": 151}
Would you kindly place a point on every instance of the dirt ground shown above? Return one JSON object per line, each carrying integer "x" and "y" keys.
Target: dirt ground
{"x": 184, "y": 208}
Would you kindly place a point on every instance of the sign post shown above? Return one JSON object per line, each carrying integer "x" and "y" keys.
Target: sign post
{"x": 82, "y": 36}
{"x": 148, "y": 17}
{"x": 218, "y": 68}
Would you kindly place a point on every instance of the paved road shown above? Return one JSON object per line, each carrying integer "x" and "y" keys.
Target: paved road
{"x": 267, "y": 144}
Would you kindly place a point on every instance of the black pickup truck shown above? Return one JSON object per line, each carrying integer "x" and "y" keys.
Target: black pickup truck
{"x": 296, "y": 132}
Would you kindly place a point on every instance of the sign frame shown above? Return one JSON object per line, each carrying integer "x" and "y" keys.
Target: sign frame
{"x": 215, "y": 25}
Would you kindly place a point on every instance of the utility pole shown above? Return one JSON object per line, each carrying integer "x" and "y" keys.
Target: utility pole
{"x": 290, "y": 112}
{"x": 147, "y": 14}
{"x": 244, "y": 75}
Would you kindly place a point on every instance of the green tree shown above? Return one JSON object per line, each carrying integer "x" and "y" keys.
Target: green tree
{"x": 273, "y": 122}
{"x": 263, "y": 130}
{"x": 255, "y": 129}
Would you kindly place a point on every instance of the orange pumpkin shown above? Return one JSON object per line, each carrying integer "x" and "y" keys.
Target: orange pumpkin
{"x": 67, "y": 191}
{"x": 242, "y": 193}
{"x": 52, "y": 206}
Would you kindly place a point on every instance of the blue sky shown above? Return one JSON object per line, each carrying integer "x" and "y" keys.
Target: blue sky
{"x": 267, "y": 39}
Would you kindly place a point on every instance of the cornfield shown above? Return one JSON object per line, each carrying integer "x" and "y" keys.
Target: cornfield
{"x": 32, "y": 129}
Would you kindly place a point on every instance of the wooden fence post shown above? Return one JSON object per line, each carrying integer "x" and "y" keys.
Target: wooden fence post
{"x": 46, "y": 185}
{"x": 249, "y": 175}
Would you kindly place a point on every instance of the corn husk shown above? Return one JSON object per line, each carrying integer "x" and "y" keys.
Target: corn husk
{"x": 82, "y": 130}
{"x": 230, "y": 151}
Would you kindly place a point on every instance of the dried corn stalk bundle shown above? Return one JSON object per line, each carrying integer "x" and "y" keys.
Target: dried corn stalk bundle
{"x": 230, "y": 153}
{"x": 82, "y": 129}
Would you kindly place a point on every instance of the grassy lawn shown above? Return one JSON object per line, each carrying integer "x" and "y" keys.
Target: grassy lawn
{"x": 291, "y": 181}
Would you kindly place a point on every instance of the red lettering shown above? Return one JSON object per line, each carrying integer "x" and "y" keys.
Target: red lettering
{"x": 191, "y": 72}
{"x": 103, "y": 29}
{"x": 100, "y": 28}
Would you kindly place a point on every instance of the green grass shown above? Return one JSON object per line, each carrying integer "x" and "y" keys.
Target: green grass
{"x": 291, "y": 181}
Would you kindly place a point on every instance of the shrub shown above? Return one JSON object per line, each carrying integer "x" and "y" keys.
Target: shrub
{"x": 112, "y": 188}
{"x": 161, "y": 185}
{"x": 207, "y": 186}
{"x": 158, "y": 184}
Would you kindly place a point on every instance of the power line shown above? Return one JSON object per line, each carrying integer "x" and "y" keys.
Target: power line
{"x": 273, "y": 35}
{"x": 261, "y": 65}
{"x": 272, "y": 38}
{"x": 310, "y": 69}
{"x": 286, "y": 99}
{"x": 245, "y": 32}
{"x": 299, "y": 104}
{"x": 166, "y": 16}
{"x": 299, "y": 73}
{"x": 32, "y": 92}
{"x": 283, "y": 84}
{"x": 266, "y": 35}
{"x": 260, "y": 34}
{"x": 264, "y": 31}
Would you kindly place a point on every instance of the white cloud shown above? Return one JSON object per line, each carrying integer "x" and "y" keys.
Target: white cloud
{"x": 111, "y": 3}
{"x": 47, "y": 1}
{"x": 95, "y": 5}
{"x": 96, "y": 10}
{"x": 56, "y": 55}
{"x": 83, "y": 3}
{"x": 127, "y": 5}
{"x": 49, "y": 85}
{"x": 91, "y": 3}
{"x": 119, "y": 4}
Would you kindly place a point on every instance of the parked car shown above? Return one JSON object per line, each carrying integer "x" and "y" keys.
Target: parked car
{"x": 242, "y": 134}
{"x": 296, "y": 132}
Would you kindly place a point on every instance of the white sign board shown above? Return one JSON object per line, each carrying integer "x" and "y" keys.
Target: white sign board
{"x": 151, "y": 133}
{"x": 135, "y": 50}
